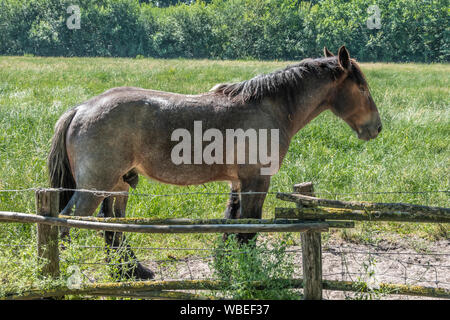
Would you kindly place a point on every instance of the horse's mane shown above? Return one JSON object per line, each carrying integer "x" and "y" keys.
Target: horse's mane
{"x": 285, "y": 82}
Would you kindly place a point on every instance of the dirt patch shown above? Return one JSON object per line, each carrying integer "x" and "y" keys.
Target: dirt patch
{"x": 427, "y": 264}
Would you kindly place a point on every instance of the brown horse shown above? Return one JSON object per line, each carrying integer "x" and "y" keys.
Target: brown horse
{"x": 105, "y": 142}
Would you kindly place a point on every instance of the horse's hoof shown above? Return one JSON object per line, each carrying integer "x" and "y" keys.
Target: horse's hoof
{"x": 245, "y": 238}
{"x": 143, "y": 273}
{"x": 137, "y": 272}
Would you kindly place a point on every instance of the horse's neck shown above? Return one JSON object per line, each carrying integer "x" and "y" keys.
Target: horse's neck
{"x": 309, "y": 104}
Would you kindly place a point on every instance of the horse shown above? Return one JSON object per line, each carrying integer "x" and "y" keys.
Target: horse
{"x": 106, "y": 142}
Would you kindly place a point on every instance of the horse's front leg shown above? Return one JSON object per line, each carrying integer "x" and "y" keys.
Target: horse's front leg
{"x": 233, "y": 210}
{"x": 234, "y": 203}
{"x": 250, "y": 204}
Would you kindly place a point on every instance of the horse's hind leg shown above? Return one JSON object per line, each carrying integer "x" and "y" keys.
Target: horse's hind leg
{"x": 116, "y": 243}
{"x": 81, "y": 204}
{"x": 131, "y": 178}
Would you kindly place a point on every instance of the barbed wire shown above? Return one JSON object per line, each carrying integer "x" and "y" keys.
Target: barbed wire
{"x": 164, "y": 267}
{"x": 385, "y": 253}
{"x": 126, "y": 193}
{"x": 327, "y": 250}
{"x": 188, "y": 259}
{"x": 426, "y": 265}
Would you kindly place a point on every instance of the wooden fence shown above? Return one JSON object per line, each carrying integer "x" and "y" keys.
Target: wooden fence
{"x": 311, "y": 217}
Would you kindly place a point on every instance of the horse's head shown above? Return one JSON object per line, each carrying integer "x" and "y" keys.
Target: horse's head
{"x": 351, "y": 99}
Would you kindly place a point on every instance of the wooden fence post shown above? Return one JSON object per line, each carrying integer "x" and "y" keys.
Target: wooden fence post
{"x": 47, "y": 204}
{"x": 311, "y": 253}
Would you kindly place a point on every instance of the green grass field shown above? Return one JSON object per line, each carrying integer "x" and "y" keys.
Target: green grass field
{"x": 411, "y": 154}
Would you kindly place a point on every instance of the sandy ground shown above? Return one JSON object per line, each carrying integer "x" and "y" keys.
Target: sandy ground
{"x": 391, "y": 263}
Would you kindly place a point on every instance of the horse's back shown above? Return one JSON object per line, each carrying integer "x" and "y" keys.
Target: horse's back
{"x": 126, "y": 126}
{"x": 129, "y": 127}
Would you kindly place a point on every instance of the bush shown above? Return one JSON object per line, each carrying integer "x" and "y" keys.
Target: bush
{"x": 410, "y": 30}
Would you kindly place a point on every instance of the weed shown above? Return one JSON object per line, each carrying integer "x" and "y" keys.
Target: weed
{"x": 240, "y": 264}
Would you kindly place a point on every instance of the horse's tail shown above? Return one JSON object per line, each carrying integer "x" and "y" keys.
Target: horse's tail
{"x": 58, "y": 162}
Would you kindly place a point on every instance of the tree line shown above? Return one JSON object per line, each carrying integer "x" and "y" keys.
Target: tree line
{"x": 382, "y": 30}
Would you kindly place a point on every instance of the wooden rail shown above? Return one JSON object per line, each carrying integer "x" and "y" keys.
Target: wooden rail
{"x": 371, "y": 206}
{"x": 151, "y": 289}
{"x": 312, "y": 208}
{"x": 184, "y": 221}
{"x": 358, "y": 215}
{"x": 188, "y": 228}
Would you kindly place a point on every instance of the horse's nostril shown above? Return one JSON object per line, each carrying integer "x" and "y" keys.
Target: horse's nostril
{"x": 379, "y": 128}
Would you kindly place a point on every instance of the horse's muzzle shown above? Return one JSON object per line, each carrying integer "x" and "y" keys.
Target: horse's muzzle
{"x": 370, "y": 131}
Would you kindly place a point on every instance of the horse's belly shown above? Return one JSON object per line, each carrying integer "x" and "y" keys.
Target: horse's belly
{"x": 184, "y": 174}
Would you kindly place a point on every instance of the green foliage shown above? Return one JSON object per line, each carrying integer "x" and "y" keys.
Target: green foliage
{"x": 410, "y": 30}
{"x": 240, "y": 264}
{"x": 20, "y": 270}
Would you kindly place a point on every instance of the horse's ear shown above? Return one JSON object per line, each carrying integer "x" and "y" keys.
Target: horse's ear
{"x": 344, "y": 58}
{"x": 327, "y": 52}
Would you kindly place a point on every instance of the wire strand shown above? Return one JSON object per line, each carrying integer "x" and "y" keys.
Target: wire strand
{"x": 125, "y": 193}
